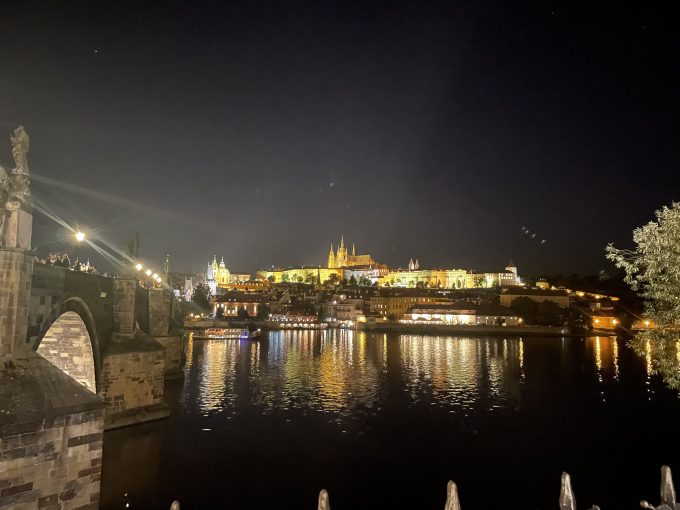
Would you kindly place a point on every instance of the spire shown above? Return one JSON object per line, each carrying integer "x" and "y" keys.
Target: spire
{"x": 222, "y": 262}
{"x": 331, "y": 257}
{"x": 354, "y": 253}
{"x": 342, "y": 242}
{"x": 411, "y": 265}
{"x": 417, "y": 264}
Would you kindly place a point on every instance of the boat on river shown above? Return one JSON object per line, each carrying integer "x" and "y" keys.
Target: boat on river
{"x": 252, "y": 335}
{"x": 219, "y": 334}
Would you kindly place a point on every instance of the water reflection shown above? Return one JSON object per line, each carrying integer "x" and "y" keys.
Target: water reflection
{"x": 341, "y": 370}
{"x": 383, "y": 403}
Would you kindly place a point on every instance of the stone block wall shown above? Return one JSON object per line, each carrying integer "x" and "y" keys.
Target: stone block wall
{"x": 142, "y": 308}
{"x": 132, "y": 381}
{"x": 159, "y": 312}
{"x": 16, "y": 268}
{"x": 53, "y": 464}
{"x": 67, "y": 346}
{"x": 174, "y": 355}
{"x": 124, "y": 305}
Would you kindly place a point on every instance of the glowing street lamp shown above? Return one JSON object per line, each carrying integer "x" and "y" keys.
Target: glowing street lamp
{"x": 155, "y": 276}
{"x": 148, "y": 272}
{"x": 138, "y": 267}
{"x": 80, "y": 236}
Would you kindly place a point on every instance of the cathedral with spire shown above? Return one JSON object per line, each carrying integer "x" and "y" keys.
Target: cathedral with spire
{"x": 340, "y": 258}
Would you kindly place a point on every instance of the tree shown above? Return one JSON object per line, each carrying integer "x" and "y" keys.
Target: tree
{"x": 333, "y": 279}
{"x": 201, "y": 296}
{"x": 271, "y": 278}
{"x": 309, "y": 278}
{"x": 353, "y": 281}
{"x": 526, "y": 308}
{"x": 300, "y": 279}
{"x": 549, "y": 313}
{"x": 263, "y": 312}
{"x": 364, "y": 281}
{"x": 242, "y": 314}
{"x": 653, "y": 270}
{"x": 285, "y": 278}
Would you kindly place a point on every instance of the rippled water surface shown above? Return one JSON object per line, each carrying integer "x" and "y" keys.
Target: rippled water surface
{"x": 388, "y": 419}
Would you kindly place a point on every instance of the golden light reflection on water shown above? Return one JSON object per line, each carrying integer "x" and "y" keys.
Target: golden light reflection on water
{"x": 339, "y": 371}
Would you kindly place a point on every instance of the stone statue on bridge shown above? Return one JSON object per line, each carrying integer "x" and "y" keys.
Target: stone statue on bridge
{"x": 15, "y": 197}
{"x": 20, "y": 145}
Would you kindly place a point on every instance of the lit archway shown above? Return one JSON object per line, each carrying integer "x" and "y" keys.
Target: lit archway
{"x": 67, "y": 345}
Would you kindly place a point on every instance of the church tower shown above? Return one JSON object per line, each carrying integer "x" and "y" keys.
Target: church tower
{"x": 215, "y": 268}
{"x": 223, "y": 274}
{"x": 341, "y": 257}
{"x": 331, "y": 258}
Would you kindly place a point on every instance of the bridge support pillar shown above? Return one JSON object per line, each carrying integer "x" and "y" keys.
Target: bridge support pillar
{"x": 131, "y": 381}
{"x": 160, "y": 310}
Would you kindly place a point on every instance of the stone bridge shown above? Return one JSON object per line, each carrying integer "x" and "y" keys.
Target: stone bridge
{"x": 113, "y": 336}
{"x": 79, "y": 353}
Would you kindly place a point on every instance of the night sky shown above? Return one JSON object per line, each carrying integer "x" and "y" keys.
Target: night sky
{"x": 262, "y": 131}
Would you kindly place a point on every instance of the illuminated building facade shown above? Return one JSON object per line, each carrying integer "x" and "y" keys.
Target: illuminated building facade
{"x": 312, "y": 275}
{"x": 454, "y": 315}
{"x": 218, "y": 275}
{"x": 230, "y": 303}
{"x": 395, "y": 305}
{"x": 558, "y": 297}
{"x": 363, "y": 268}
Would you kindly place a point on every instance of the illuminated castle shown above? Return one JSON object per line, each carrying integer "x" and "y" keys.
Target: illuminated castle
{"x": 340, "y": 258}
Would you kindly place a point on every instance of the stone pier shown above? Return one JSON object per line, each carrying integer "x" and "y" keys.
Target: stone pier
{"x": 133, "y": 366}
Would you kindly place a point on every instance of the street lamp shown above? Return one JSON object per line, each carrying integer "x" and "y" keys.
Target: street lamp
{"x": 80, "y": 236}
{"x": 148, "y": 272}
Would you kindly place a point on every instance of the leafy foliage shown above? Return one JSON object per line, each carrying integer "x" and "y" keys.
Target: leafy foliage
{"x": 201, "y": 296}
{"x": 526, "y": 308}
{"x": 653, "y": 270}
{"x": 263, "y": 311}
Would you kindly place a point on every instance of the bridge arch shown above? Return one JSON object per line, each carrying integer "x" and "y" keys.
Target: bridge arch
{"x": 69, "y": 341}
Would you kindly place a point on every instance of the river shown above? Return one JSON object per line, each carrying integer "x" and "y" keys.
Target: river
{"x": 387, "y": 419}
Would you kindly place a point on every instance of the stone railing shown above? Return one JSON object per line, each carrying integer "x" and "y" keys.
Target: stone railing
{"x": 567, "y": 500}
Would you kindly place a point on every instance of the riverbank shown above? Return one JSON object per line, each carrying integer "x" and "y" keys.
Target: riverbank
{"x": 445, "y": 329}
{"x": 428, "y": 329}
{"x": 215, "y": 323}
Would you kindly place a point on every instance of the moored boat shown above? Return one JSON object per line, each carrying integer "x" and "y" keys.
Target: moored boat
{"x": 218, "y": 334}
{"x": 251, "y": 335}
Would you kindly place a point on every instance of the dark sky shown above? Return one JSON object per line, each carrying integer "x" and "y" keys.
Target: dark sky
{"x": 262, "y": 131}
